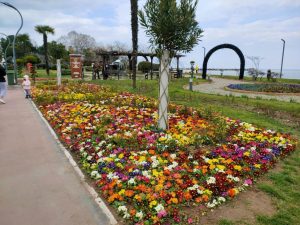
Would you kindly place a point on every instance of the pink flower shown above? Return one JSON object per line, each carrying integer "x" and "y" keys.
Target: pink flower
{"x": 248, "y": 182}
{"x": 162, "y": 213}
{"x": 190, "y": 220}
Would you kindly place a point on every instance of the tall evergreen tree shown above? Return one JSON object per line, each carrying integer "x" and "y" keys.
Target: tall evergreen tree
{"x": 44, "y": 30}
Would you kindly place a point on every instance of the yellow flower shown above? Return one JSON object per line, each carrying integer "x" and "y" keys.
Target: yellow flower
{"x": 221, "y": 167}
{"x": 237, "y": 167}
{"x": 211, "y": 167}
{"x": 121, "y": 192}
{"x": 246, "y": 153}
{"x": 121, "y": 156}
{"x": 257, "y": 165}
{"x": 153, "y": 203}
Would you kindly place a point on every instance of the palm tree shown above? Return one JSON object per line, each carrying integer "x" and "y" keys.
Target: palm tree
{"x": 45, "y": 30}
{"x": 134, "y": 32}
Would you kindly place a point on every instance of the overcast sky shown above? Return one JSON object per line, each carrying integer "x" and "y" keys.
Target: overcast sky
{"x": 255, "y": 26}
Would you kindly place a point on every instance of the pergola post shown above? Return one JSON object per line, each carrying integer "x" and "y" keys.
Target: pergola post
{"x": 151, "y": 67}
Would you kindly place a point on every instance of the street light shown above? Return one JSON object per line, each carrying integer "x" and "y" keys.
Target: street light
{"x": 282, "y": 57}
{"x": 6, "y": 50}
{"x": 14, "y": 41}
{"x": 204, "y": 52}
{"x": 191, "y": 79}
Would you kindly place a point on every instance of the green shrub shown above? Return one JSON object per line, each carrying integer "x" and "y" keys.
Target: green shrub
{"x": 65, "y": 72}
{"x": 31, "y": 59}
{"x": 146, "y": 66}
{"x": 88, "y": 68}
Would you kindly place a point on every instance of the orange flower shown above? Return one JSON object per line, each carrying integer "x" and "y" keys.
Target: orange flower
{"x": 129, "y": 193}
{"x": 151, "y": 152}
{"x": 179, "y": 181}
{"x": 167, "y": 172}
{"x": 198, "y": 200}
{"x": 176, "y": 175}
{"x": 231, "y": 192}
{"x": 187, "y": 196}
{"x": 205, "y": 198}
{"x": 174, "y": 200}
{"x": 132, "y": 212}
{"x": 204, "y": 169}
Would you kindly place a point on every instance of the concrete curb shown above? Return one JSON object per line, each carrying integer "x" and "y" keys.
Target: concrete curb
{"x": 90, "y": 189}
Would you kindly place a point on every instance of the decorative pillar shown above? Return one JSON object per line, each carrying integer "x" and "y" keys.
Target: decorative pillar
{"x": 58, "y": 73}
{"x": 151, "y": 67}
{"x": 76, "y": 65}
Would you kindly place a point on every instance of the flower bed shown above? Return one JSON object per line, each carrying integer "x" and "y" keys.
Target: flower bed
{"x": 150, "y": 176}
{"x": 272, "y": 88}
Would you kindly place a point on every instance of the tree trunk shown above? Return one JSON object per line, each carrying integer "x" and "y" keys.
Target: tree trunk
{"x": 134, "y": 31}
{"x": 163, "y": 91}
{"x": 46, "y": 53}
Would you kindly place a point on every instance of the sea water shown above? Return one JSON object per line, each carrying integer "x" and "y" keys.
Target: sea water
{"x": 286, "y": 73}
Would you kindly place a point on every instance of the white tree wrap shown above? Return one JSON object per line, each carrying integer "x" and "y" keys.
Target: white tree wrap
{"x": 163, "y": 91}
{"x": 58, "y": 73}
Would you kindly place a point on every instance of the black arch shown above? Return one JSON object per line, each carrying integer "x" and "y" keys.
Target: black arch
{"x": 230, "y": 46}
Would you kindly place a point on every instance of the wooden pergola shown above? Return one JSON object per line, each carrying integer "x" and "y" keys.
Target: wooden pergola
{"x": 107, "y": 54}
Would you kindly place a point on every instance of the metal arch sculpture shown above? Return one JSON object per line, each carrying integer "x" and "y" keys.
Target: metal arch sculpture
{"x": 230, "y": 46}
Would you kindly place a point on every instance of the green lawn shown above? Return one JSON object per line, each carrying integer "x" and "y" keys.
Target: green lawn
{"x": 282, "y": 186}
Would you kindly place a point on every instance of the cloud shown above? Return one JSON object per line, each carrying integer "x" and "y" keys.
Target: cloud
{"x": 255, "y": 26}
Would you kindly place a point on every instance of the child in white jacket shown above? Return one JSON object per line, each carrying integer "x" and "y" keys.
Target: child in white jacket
{"x": 27, "y": 86}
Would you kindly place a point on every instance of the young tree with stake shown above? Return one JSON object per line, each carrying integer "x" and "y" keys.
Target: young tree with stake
{"x": 171, "y": 28}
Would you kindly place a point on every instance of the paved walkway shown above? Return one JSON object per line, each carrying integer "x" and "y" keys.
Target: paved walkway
{"x": 218, "y": 84}
{"x": 38, "y": 186}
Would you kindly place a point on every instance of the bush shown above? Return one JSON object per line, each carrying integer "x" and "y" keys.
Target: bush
{"x": 88, "y": 68}
{"x": 31, "y": 59}
{"x": 52, "y": 67}
{"x": 41, "y": 66}
{"x": 65, "y": 72}
{"x": 146, "y": 66}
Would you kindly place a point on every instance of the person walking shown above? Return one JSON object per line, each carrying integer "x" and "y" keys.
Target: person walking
{"x": 3, "y": 86}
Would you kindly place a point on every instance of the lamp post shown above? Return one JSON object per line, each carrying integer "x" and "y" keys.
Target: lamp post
{"x": 192, "y": 76}
{"x": 5, "y": 58}
{"x": 204, "y": 49}
{"x": 14, "y": 41}
{"x": 282, "y": 57}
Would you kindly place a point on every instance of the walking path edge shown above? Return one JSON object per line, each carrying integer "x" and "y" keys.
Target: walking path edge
{"x": 90, "y": 189}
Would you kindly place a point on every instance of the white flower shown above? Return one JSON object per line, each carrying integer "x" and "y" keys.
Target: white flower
{"x": 126, "y": 215}
{"x": 122, "y": 208}
{"x": 211, "y": 180}
{"x": 102, "y": 143}
{"x": 89, "y": 157}
{"x": 100, "y": 153}
{"x": 230, "y": 177}
{"x": 221, "y": 199}
{"x": 112, "y": 155}
{"x": 139, "y": 215}
{"x": 131, "y": 181}
{"x": 159, "y": 208}
{"x": 199, "y": 192}
{"x": 146, "y": 174}
{"x": 110, "y": 175}
{"x": 128, "y": 134}
{"x": 95, "y": 174}
{"x": 173, "y": 156}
